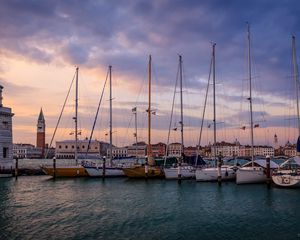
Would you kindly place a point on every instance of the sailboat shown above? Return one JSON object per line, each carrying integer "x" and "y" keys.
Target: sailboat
{"x": 182, "y": 171}
{"x": 105, "y": 171}
{"x": 220, "y": 171}
{"x": 288, "y": 175}
{"x": 253, "y": 172}
{"x": 148, "y": 170}
{"x": 76, "y": 170}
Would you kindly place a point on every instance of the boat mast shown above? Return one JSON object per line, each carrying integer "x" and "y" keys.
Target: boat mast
{"x": 76, "y": 117}
{"x": 214, "y": 101}
{"x": 181, "y": 120}
{"x": 110, "y": 116}
{"x": 295, "y": 68}
{"x": 250, "y": 97}
{"x": 149, "y": 152}
{"x": 135, "y": 134}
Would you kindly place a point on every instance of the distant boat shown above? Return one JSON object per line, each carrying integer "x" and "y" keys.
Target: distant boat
{"x": 94, "y": 170}
{"x": 73, "y": 170}
{"x": 148, "y": 170}
{"x": 250, "y": 173}
{"x": 288, "y": 175}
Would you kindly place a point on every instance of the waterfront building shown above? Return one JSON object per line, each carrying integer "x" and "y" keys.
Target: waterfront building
{"x": 159, "y": 149}
{"x": 66, "y": 149}
{"x": 138, "y": 150}
{"x": 226, "y": 149}
{"x": 6, "y": 145}
{"x": 174, "y": 150}
{"x": 41, "y": 132}
{"x": 245, "y": 151}
{"x": 190, "y": 151}
{"x": 117, "y": 152}
{"x": 290, "y": 149}
{"x": 21, "y": 150}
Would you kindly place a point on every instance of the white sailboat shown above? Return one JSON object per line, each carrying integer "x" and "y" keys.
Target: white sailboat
{"x": 94, "y": 170}
{"x": 253, "y": 173}
{"x": 219, "y": 172}
{"x": 288, "y": 175}
{"x": 182, "y": 170}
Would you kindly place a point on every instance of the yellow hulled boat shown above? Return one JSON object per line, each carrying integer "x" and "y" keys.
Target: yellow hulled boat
{"x": 139, "y": 172}
{"x": 65, "y": 171}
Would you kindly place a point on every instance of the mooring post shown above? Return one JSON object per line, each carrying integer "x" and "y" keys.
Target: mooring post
{"x": 16, "y": 168}
{"x": 268, "y": 171}
{"x": 219, "y": 170}
{"x": 54, "y": 168}
{"x": 103, "y": 167}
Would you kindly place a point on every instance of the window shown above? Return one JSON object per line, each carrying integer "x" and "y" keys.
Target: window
{"x": 5, "y": 124}
{"x": 82, "y": 147}
{"x": 5, "y": 152}
{"x": 59, "y": 146}
{"x": 72, "y": 146}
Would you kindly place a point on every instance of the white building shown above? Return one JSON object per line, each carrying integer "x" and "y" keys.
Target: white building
{"x": 226, "y": 149}
{"x": 245, "y": 151}
{"x": 139, "y": 150}
{"x": 117, "y": 152}
{"x": 174, "y": 150}
{"x": 6, "y": 145}
{"x": 66, "y": 149}
{"x": 26, "y": 151}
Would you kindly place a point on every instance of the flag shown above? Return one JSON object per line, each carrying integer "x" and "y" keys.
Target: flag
{"x": 298, "y": 144}
{"x": 134, "y": 134}
{"x": 256, "y": 125}
{"x": 243, "y": 127}
{"x": 208, "y": 126}
{"x": 133, "y": 109}
{"x": 175, "y": 129}
{"x": 106, "y": 134}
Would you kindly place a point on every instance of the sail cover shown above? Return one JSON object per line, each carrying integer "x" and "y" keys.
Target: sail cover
{"x": 298, "y": 144}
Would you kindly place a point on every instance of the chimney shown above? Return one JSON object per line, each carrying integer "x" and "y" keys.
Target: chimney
{"x": 1, "y": 105}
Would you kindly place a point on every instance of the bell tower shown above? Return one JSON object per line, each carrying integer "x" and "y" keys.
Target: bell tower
{"x": 41, "y": 130}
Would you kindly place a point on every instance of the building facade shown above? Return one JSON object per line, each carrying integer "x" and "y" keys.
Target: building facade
{"x": 6, "y": 145}
{"x": 174, "y": 150}
{"x": 66, "y": 149}
{"x": 159, "y": 149}
{"x": 21, "y": 150}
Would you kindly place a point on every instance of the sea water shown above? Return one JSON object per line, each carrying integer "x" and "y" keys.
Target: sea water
{"x": 39, "y": 207}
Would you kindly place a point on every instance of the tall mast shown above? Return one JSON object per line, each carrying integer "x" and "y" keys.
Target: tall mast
{"x": 135, "y": 134}
{"x": 181, "y": 120}
{"x": 76, "y": 117}
{"x": 295, "y": 68}
{"x": 214, "y": 101}
{"x": 110, "y": 116}
{"x": 181, "y": 105}
{"x": 250, "y": 91}
{"x": 149, "y": 153}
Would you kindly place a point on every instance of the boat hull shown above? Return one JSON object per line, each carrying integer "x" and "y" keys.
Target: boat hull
{"x": 211, "y": 174}
{"x": 186, "y": 172}
{"x": 65, "y": 171}
{"x": 139, "y": 172}
{"x": 109, "y": 172}
{"x": 248, "y": 175}
{"x": 5, "y": 175}
{"x": 286, "y": 180}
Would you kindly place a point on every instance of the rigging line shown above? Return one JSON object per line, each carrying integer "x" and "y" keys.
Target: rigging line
{"x": 95, "y": 120}
{"x": 171, "y": 117}
{"x": 60, "y": 115}
{"x": 203, "y": 114}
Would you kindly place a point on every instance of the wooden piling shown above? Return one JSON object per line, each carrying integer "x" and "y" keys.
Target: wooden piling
{"x": 16, "y": 168}
{"x": 268, "y": 173}
{"x": 54, "y": 168}
{"x": 219, "y": 170}
{"x": 103, "y": 167}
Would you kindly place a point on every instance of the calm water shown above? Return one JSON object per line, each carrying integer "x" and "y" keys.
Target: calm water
{"x": 40, "y": 208}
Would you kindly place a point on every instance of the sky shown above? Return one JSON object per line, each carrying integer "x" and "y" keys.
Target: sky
{"x": 42, "y": 42}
